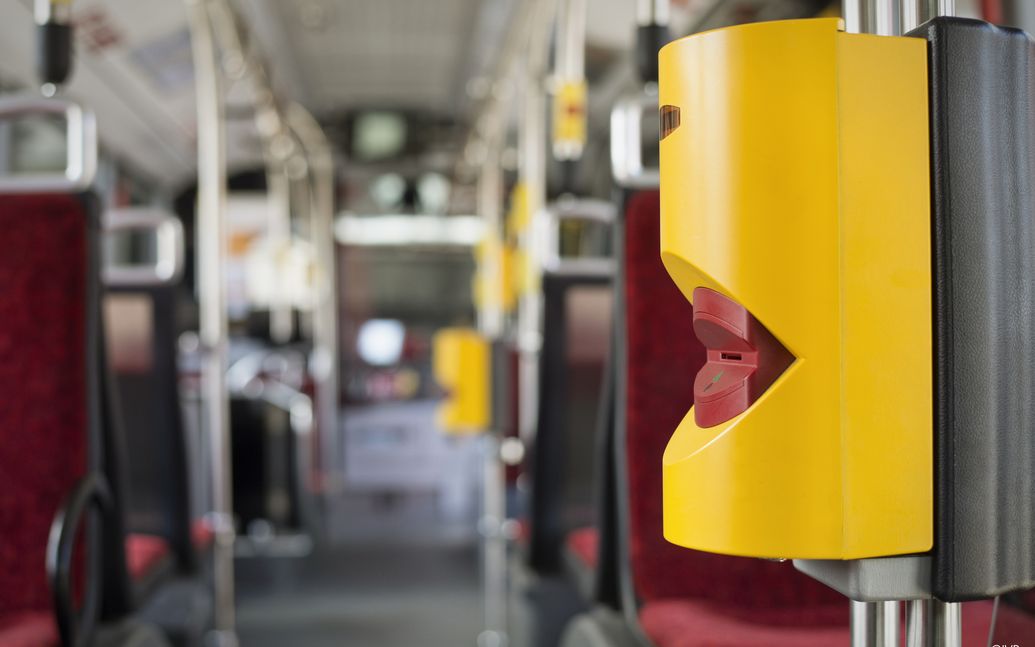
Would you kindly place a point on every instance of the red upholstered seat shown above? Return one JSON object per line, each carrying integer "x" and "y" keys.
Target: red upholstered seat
{"x": 702, "y": 596}
{"x": 44, "y": 418}
{"x": 1012, "y": 626}
{"x": 1026, "y": 600}
{"x": 696, "y": 623}
{"x": 584, "y": 543}
{"x": 523, "y": 532}
{"x": 201, "y": 535}
{"x": 145, "y": 554}
{"x": 688, "y": 623}
{"x": 33, "y": 629}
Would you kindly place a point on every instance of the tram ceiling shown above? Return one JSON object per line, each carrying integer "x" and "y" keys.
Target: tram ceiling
{"x": 431, "y": 60}
{"x": 427, "y": 57}
{"x": 403, "y": 53}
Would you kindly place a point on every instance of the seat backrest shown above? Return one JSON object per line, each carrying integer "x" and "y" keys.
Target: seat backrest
{"x": 49, "y": 412}
{"x": 577, "y": 315}
{"x": 141, "y": 326}
{"x": 661, "y": 357}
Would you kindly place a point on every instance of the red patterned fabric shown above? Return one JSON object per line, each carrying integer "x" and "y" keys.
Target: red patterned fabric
{"x": 1026, "y": 600}
{"x": 29, "y": 630}
{"x": 144, "y": 553}
{"x": 584, "y": 543}
{"x": 43, "y": 414}
{"x": 1012, "y": 626}
{"x": 684, "y": 623}
{"x": 693, "y": 623}
{"x": 664, "y": 356}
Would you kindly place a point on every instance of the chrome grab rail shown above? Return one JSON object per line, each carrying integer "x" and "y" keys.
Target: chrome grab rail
{"x": 213, "y": 331}
{"x": 575, "y": 209}
{"x": 324, "y": 363}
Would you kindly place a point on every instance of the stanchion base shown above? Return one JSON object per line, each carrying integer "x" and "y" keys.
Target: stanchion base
{"x": 221, "y": 638}
{"x": 490, "y": 638}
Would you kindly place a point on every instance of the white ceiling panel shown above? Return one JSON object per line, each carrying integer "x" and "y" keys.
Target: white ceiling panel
{"x": 400, "y": 53}
{"x": 141, "y": 118}
{"x": 611, "y": 24}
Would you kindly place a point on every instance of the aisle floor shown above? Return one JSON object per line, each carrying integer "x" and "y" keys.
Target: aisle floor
{"x": 361, "y": 596}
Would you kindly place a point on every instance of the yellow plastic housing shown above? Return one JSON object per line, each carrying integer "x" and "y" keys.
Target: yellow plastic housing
{"x": 569, "y": 116}
{"x": 461, "y": 363}
{"x": 797, "y": 184}
{"x": 502, "y": 292}
{"x": 519, "y": 215}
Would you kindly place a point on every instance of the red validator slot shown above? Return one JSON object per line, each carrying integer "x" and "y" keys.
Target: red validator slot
{"x": 744, "y": 358}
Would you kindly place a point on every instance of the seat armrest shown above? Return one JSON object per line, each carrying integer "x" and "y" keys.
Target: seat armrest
{"x": 91, "y": 492}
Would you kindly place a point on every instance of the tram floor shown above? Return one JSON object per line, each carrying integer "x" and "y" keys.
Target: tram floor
{"x": 361, "y": 595}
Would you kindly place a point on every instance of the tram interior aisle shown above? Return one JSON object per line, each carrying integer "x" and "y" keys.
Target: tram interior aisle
{"x": 517, "y": 323}
{"x": 396, "y": 561}
{"x": 363, "y": 594}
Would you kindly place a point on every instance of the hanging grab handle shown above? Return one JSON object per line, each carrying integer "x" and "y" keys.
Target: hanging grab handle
{"x": 81, "y": 146}
{"x": 627, "y": 163}
{"x": 569, "y": 209}
{"x": 167, "y": 266}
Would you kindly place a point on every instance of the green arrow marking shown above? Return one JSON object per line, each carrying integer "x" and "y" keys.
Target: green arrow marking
{"x": 714, "y": 381}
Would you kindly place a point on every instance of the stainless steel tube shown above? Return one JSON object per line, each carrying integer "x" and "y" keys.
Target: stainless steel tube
{"x": 278, "y": 236}
{"x": 944, "y": 624}
{"x": 882, "y": 17}
{"x": 935, "y": 8}
{"x": 852, "y": 10}
{"x": 529, "y": 319}
{"x": 571, "y": 40}
{"x": 495, "y": 588}
{"x": 211, "y": 228}
{"x": 491, "y": 320}
{"x": 875, "y": 624}
{"x": 910, "y": 14}
{"x": 932, "y": 623}
{"x": 532, "y": 173}
{"x": 917, "y": 12}
{"x": 652, "y": 12}
{"x": 887, "y": 17}
{"x": 490, "y": 199}
{"x": 494, "y": 547}
{"x": 916, "y": 623}
{"x": 325, "y": 361}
